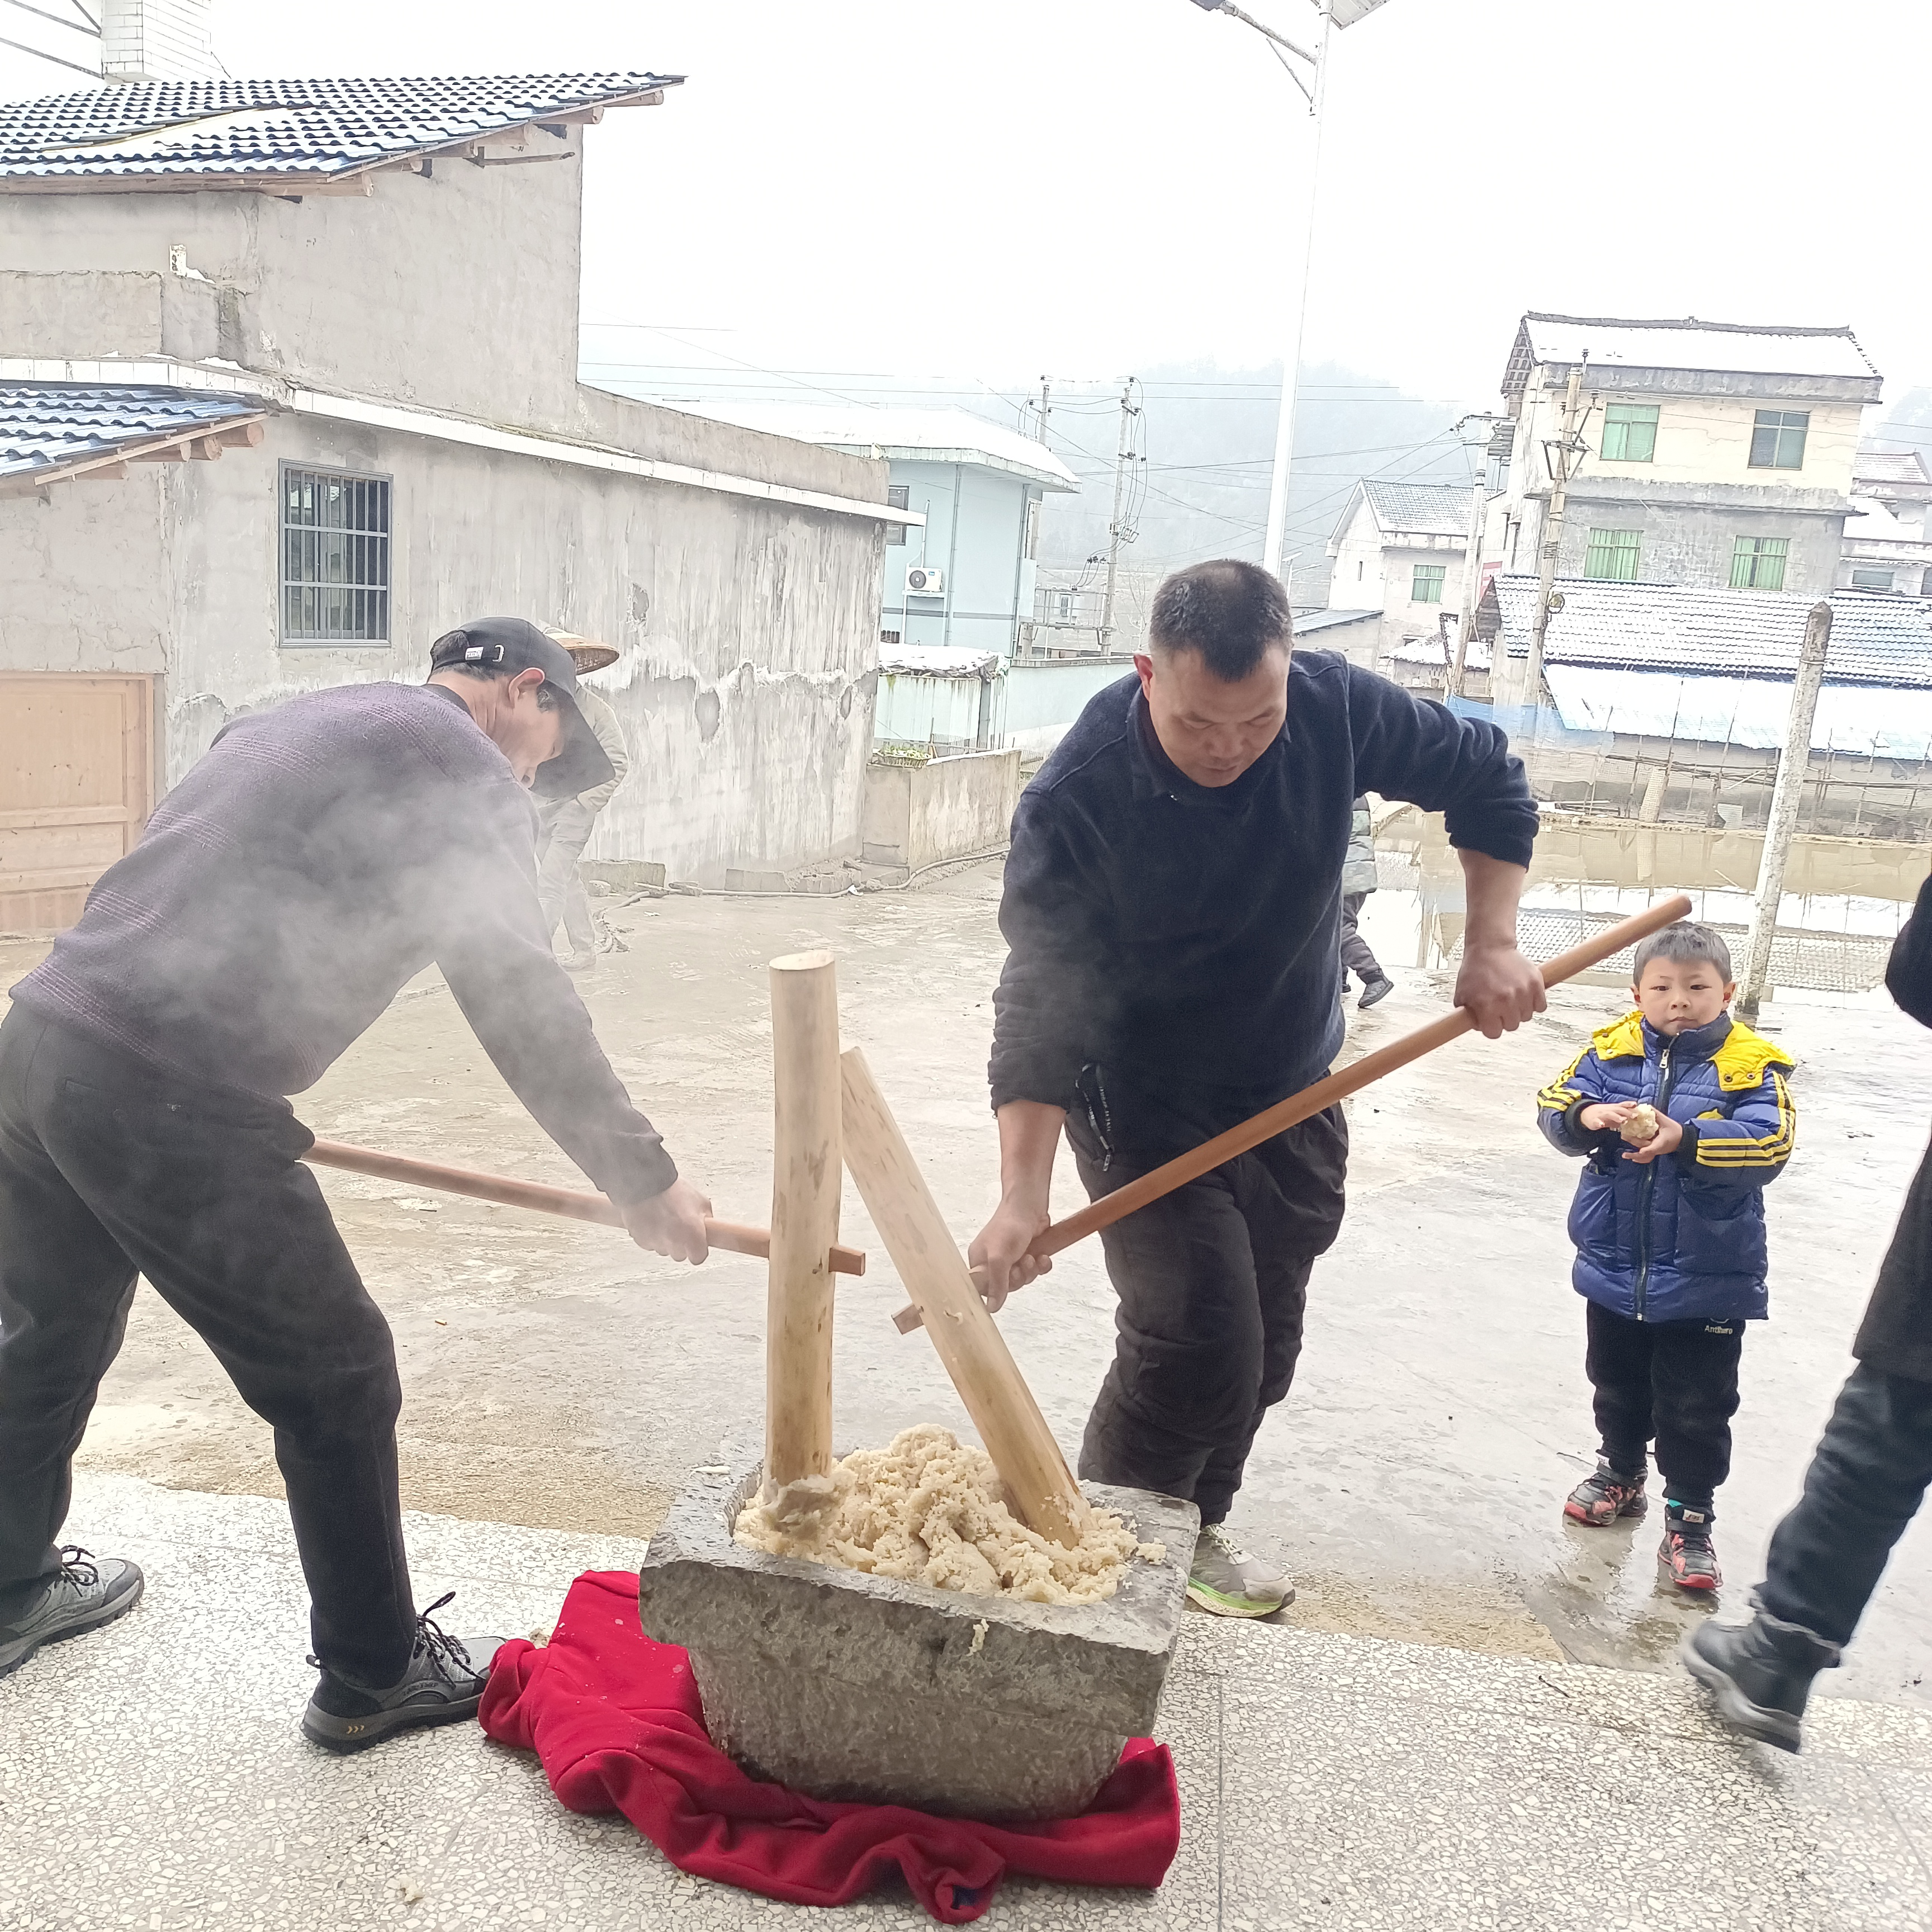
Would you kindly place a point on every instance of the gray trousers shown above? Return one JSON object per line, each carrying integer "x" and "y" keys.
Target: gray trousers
{"x": 1356, "y": 957}
{"x": 561, "y": 839}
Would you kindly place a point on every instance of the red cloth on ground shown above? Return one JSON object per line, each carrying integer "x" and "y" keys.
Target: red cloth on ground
{"x": 616, "y": 1720}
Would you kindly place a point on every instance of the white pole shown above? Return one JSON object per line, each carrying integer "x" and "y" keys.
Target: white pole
{"x": 1298, "y": 311}
{"x": 1786, "y": 794}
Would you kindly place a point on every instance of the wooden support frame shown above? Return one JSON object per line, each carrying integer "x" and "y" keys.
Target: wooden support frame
{"x": 199, "y": 443}
{"x": 806, "y": 1180}
{"x": 1044, "y": 1493}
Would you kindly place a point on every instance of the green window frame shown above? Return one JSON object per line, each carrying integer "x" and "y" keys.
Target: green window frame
{"x": 1425, "y": 587}
{"x": 1629, "y": 432}
{"x": 1777, "y": 439}
{"x": 1757, "y": 563}
{"x": 1612, "y": 556}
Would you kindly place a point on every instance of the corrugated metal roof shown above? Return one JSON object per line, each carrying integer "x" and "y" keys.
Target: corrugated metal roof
{"x": 254, "y": 128}
{"x": 1863, "y": 721}
{"x": 1308, "y": 622}
{"x": 1435, "y": 509}
{"x": 950, "y": 661}
{"x": 1876, "y": 638}
{"x": 47, "y": 426}
{"x": 1740, "y": 348}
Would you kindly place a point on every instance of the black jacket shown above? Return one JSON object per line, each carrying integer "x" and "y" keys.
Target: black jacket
{"x": 1184, "y": 938}
{"x": 1896, "y": 1335}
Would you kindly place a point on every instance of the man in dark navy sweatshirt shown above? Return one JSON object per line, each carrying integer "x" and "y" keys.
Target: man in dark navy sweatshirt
{"x": 322, "y": 853}
{"x": 1173, "y": 904}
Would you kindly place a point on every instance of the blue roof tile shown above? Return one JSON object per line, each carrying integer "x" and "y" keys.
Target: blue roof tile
{"x": 47, "y": 427}
{"x": 270, "y": 128}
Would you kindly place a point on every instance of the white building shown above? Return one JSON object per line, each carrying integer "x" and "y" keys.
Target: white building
{"x": 361, "y": 297}
{"x": 1888, "y": 539}
{"x": 1398, "y": 548}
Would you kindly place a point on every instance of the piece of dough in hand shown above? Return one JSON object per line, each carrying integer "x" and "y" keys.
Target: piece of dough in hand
{"x": 1642, "y": 1125}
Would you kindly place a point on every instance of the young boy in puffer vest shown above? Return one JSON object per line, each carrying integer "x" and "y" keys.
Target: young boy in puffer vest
{"x": 1683, "y": 1115}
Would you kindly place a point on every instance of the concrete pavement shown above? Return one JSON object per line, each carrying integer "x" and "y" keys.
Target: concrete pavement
{"x": 152, "y": 1777}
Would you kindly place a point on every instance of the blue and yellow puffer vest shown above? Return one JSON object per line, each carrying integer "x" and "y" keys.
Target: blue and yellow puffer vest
{"x": 1682, "y": 1236}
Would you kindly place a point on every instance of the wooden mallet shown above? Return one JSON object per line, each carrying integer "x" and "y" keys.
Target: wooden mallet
{"x": 732, "y": 1236}
{"x": 1299, "y": 1107}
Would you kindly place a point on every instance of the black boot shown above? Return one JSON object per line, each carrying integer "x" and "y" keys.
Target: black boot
{"x": 1760, "y": 1673}
{"x": 443, "y": 1685}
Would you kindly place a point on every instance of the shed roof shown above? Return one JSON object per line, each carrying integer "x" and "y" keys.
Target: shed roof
{"x": 906, "y": 434}
{"x": 1876, "y": 638}
{"x": 1439, "y": 509}
{"x": 1881, "y": 471}
{"x": 1741, "y": 348}
{"x": 948, "y": 660}
{"x": 191, "y": 134}
{"x": 1864, "y": 720}
{"x": 50, "y": 429}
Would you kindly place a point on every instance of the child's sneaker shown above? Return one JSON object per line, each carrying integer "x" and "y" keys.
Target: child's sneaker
{"x": 1686, "y": 1551}
{"x": 1608, "y": 1494}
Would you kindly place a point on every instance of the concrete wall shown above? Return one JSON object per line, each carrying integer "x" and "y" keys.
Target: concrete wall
{"x": 920, "y": 815}
{"x": 747, "y": 629}
{"x": 1040, "y": 703}
{"x": 976, "y": 533}
{"x": 458, "y": 292}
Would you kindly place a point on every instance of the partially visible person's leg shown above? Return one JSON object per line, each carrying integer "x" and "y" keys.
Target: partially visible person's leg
{"x": 1617, "y": 1360}
{"x": 578, "y": 927}
{"x": 560, "y": 842}
{"x": 1357, "y": 957}
{"x": 1187, "y": 1361}
{"x": 206, "y": 1194}
{"x": 1693, "y": 1368}
{"x": 1866, "y": 1483}
{"x": 1291, "y": 1193}
{"x": 65, "y": 1290}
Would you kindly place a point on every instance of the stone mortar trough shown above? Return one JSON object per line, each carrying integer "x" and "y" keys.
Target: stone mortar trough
{"x": 844, "y": 1685}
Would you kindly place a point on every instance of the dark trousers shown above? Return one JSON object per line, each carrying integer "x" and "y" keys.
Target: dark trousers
{"x": 1356, "y": 957}
{"x": 1864, "y": 1485}
{"x": 1213, "y": 1280}
{"x": 1677, "y": 1381}
{"x": 107, "y": 1169}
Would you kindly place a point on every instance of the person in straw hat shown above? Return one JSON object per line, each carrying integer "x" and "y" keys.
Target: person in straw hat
{"x": 565, "y": 824}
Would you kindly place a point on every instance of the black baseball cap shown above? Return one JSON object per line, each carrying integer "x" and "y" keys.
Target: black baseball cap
{"x": 511, "y": 644}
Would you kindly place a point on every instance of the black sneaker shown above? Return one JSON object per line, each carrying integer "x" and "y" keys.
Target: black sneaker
{"x": 1759, "y": 1672}
{"x": 1377, "y": 988}
{"x": 1686, "y": 1551}
{"x": 84, "y": 1593}
{"x": 1601, "y": 1498}
{"x": 443, "y": 1685}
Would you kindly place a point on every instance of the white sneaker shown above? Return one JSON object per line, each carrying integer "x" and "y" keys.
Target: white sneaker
{"x": 1225, "y": 1578}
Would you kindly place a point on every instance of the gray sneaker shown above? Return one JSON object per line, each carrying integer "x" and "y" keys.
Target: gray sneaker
{"x": 84, "y": 1593}
{"x": 1225, "y": 1578}
{"x": 443, "y": 1685}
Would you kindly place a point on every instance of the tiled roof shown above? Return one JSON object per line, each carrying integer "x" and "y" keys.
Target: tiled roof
{"x": 1876, "y": 638}
{"x": 1709, "y": 347}
{"x": 278, "y": 128}
{"x": 45, "y": 428}
{"x": 1889, "y": 465}
{"x": 1437, "y": 509}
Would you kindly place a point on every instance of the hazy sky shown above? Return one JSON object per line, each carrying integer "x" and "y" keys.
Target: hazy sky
{"x": 1086, "y": 187}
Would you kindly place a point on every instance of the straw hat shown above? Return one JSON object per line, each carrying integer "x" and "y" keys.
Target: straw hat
{"x": 587, "y": 656}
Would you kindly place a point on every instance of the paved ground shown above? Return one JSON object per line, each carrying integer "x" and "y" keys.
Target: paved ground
{"x": 557, "y": 1378}
{"x": 150, "y": 1776}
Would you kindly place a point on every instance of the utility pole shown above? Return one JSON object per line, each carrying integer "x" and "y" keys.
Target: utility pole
{"x": 1560, "y": 457}
{"x": 1472, "y": 558}
{"x": 1045, "y": 405}
{"x": 1785, "y": 795}
{"x": 1117, "y": 531}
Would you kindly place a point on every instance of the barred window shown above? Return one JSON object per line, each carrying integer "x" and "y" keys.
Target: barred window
{"x": 335, "y": 558}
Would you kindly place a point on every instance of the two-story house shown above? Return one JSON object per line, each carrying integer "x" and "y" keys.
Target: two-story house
{"x": 1701, "y": 453}
{"x": 1888, "y": 541}
{"x": 288, "y": 387}
{"x": 1398, "y": 548}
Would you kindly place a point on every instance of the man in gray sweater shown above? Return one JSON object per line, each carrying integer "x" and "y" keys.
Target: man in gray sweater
{"x": 321, "y": 854}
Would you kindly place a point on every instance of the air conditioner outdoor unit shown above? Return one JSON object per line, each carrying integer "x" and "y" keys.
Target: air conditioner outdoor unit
{"x": 922, "y": 581}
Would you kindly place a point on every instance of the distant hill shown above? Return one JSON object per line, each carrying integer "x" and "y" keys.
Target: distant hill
{"x": 1207, "y": 433}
